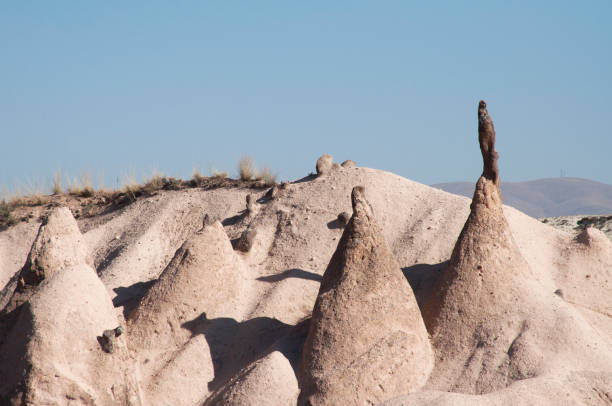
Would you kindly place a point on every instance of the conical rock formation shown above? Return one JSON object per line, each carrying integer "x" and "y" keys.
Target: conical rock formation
{"x": 51, "y": 355}
{"x": 490, "y": 324}
{"x": 59, "y": 244}
{"x": 202, "y": 282}
{"x": 367, "y": 341}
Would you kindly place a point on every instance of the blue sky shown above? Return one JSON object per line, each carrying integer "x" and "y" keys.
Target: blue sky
{"x": 124, "y": 88}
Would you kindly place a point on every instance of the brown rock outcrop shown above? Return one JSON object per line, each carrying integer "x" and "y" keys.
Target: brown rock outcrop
{"x": 367, "y": 341}
{"x": 466, "y": 314}
{"x": 486, "y": 139}
{"x": 487, "y": 316}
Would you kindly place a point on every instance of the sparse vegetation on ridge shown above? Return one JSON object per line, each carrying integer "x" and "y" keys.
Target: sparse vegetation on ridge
{"x": 246, "y": 168}
{"x": 86, "y": 200}
{"x": 57, "y": 182}
{"x": 267, "y": 176}
{"x": 248, "y": 171}
{"x": 6, "y": 217}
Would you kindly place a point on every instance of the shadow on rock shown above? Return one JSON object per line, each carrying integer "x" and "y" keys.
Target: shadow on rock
{"x": 291, "y": 273}
{"x": 423, "y": 278}
{"x": 234, "y": 345}
{"x": 334, "y": 225}
{"x": 231, "y": 221}
{"x": 130, "y": 296}
{"x": 308, "y": 178}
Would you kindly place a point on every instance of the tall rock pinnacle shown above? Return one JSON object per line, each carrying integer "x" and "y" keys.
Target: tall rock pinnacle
{"x": 487, "y": 316}
{"x": 486, "y": 138}
{"x": 367, "y": 341}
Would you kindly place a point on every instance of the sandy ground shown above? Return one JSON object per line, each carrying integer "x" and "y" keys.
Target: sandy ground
{"x": 215, "y": 354}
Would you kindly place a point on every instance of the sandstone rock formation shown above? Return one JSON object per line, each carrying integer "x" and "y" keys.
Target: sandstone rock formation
{"x": 51, "y": 355}
{"x": 59, "y": 244}
{"x": 209, "y": 327}
{"x": 250, "y": 204}
{"x": 245, "y": 242}
{"x": 268, "y": 382}
{"x": 367, "y": 341}
{"x": 487, "y": 316}
{"x": 167, "y": 329}
{"x": 207, "y": 221}
{"x": 324, "y": 164}
{"x": 348, "y": 164}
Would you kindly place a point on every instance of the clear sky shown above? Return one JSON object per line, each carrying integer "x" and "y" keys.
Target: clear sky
{"x": 117, "y": 88}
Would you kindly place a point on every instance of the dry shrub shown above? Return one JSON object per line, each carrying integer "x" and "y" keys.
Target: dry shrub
{"x": 218, "y": 174}
{"x": 6, "y": 217}
{"x": 73, "y": 186}
{"x": 57, "y": 182}
{"x": 129, "y": 184}
{"x": 155, "y": 182}
{"x": 87, "y": 189}
{"x": 267, "y": 176}
{"x": 246, "y": 168}
{"x": 197, "y": 176}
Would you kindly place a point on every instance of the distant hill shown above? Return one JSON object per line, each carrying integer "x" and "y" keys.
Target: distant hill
{"x": 548, "y": 197}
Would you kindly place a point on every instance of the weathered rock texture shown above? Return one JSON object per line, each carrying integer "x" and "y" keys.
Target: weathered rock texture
{"x": 58, "y": 245}
{"x": 268, "y": 382}
{"x": 487, "y": 317}
{"x": 367, "y": 341}
{"x": 51, "y": 356}
{"x": 486, "y": 139}
{"x": 245, "y": 242}
{"x": 167, "y": 329}
{"x": 343, "y": 219}
{"x": 348, "y": 164}
{"x": 250, "y": 204}
{"x": 324, "y": 164}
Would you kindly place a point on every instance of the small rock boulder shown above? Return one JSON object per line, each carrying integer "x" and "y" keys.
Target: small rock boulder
{"x": 324, "y": 164}
{"x": 250, "y": 204}
{"x": 108, "y": 339}
{"x": 246, "y": 239}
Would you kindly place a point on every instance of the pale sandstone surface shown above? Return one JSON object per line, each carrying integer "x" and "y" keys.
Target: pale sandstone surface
{"x": 367, "y": 341}
{"x": 52, "y": 356}
{"x": 296, "y": 237}
{"x": 269, "y": 381}
{"x": 202, "y": 283}
{"x": 58, "y": 244}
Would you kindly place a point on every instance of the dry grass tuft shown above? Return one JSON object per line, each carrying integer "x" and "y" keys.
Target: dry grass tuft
{"x": 246, "y": 168}
{"x": 218, "y": 174}
{"x": 197, "y": 176}
{"x": 87, "y": 189}
{"x": 155, "y": 182}
{"x": 57, "y": 182}
{"x": 73, "y": 187}
{"x": 129, "y": 184}
{"x": 6, "y": 217}
{"x": 267, "y": 176}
